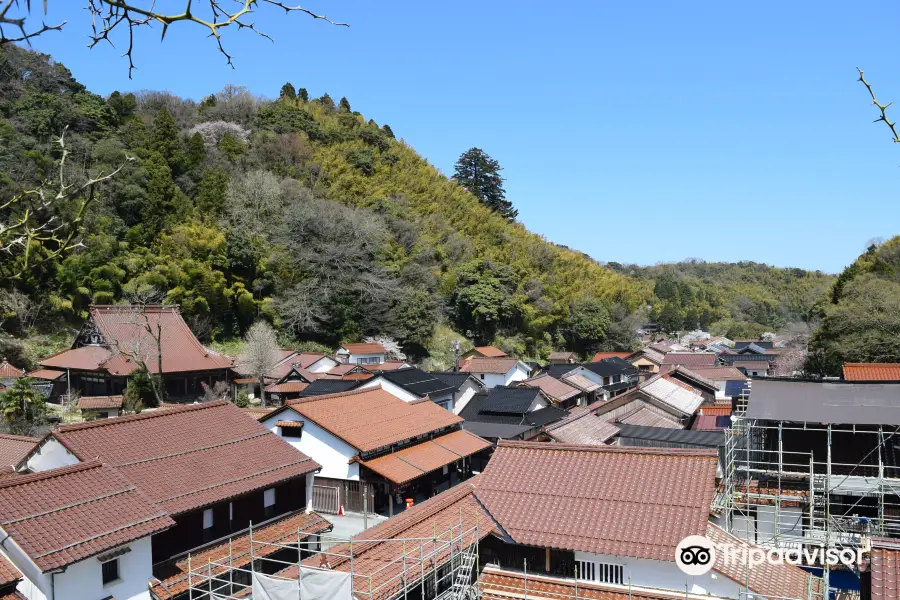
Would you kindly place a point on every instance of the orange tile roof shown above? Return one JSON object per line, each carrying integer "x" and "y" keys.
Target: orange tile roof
{"x": 489, "y": 351}
{"x": 884, "y": 564}
{"x": 715, "y": 410}
{"x": 287, "y": 387}
{"x": 123, "y": 332}
{"x": 372, "y": 418}
{"x": 500, "y": 584}
{"x": 421, "y": 459}
{"x": 295, "y": 424}
{"x": 99, "y": 402}
{"x": 364, "y": 348}
{"x": 640, "y": 502}
{"x": 604, "y": 355}
{"x": 872, "y": 371}
{"x": 173, "y": 576}
{"x": 65, "y": 515}
{"x": 13, "y": 448}
{"x": 7, "y": 371}
{"x": 187, "y": 457}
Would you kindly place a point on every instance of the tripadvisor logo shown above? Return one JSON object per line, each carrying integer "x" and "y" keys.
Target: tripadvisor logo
{"x": 696, "y": 554}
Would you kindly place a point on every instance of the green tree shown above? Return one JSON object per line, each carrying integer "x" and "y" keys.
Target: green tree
{"x": 196, "y": 151}
{"x": 485, "y": 299}
{"x": 344, "y": 105}
{"x": 166, "y": 140}
{"x": 480, "y": 175}
{"x": 671, "y": 317}
{"x": 586, "y": 325}
{"x": 387, "y": 130}
{"x": 303, "y": 95}
{"x": 22, "y": 408}
{"x": 139, "y": 391}
{"x": 123, "y": 105}
{"x": 287, "y": 92}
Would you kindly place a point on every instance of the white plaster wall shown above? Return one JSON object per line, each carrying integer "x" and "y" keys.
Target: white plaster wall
{"x": 490, "y": 379}
{"x": 329, "y": 451}
{"x": 517, "y": 373}
{"x": 598, "y": 379}
{"x": 354, "y": 358}
{"x": 666, "y": 575}
{"x": 470, "y": 390}
{"x": 84, "y": 580}
{"x": 323, "y": 365}
{"x": 390, "y": 388}
{"x": 51, "y": 455}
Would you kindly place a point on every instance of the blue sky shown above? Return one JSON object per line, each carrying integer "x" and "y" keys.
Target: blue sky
{"x": 635, "y": 132}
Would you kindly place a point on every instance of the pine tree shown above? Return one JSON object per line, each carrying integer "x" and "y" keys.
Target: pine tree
{"x": 166, "y": 139}
{"x": 303, "y": 94}
{"x": 327, "y": 102}
{"x": 196, "y": 151}
{"x": 344, "y": 104}
{"x": 287, "y": 92}
{"x": 387, "y": 130}
{"x": 480, "y": 175}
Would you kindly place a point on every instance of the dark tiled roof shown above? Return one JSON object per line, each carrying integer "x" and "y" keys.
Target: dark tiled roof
{"x": 418, "y": 382}
{"x": 639, "y": 502}
{"x": 557, "y": 371}
{"x": 454, "y": 380}
{"x": 509, "y": 400}
{"x": 190, "y": 456}
{"x": 711, "y": 439}
{"x": 321, "y": 387}
{"x": 65, "y": 515}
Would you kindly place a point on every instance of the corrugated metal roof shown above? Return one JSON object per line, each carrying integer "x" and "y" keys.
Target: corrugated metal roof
{"x": 668, "y": 434}
{"x": 825, "y": 402}
{"x": 672, "y": 394}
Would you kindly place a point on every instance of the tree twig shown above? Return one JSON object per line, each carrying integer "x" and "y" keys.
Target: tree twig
{"x": 882, "y": 107}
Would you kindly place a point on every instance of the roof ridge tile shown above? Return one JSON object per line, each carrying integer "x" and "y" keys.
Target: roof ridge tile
{"x": 168, "y": 410}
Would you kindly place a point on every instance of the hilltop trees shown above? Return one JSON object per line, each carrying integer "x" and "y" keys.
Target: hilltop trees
{"x": 480, "y": 175}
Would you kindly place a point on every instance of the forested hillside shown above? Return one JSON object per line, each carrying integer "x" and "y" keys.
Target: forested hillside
{"x": 306, "y": 213}
{"x": 861, "y": 317}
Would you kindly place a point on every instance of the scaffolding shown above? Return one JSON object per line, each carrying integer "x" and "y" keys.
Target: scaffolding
{"x": 443, "y": 566}
{"x": 785, "y": 498}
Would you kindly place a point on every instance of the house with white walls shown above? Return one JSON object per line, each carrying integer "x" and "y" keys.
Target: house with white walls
{"x": 541, "y": 496}
{"x": 464, "y": 386}
{"x": 496, "y": 371}
{"x": 210, "y": 469}
{"x": 51, "y": 534}
{"x": 376, "y": 449}
{"x": 363, "y": 353}
{"x": 413, "y": 384}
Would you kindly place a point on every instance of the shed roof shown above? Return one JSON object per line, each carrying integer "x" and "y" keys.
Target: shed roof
{"x": 825, "y": 402}
{"x": 640, "y": 502}
{"x": 187, "y": 457}
{"x": 65, "y": 515}
{"x": 372, "y": 418}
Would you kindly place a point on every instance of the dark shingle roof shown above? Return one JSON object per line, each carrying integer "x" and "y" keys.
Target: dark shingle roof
{"x": 454, "y": 380}
{"x": 735, "y": 388}
{"x": 509, "y": 400}
{"x": 679, "y": 436}
{"x": 418, "y": 382}
{"x": 481, "y": 409}
{"x": 320, "y": 387}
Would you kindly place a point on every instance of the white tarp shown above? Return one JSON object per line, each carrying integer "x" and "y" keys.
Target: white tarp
{"x": 324, "y": 584}
{"x": 270, "y": 588}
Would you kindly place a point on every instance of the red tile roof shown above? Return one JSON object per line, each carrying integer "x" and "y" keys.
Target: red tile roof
{"x": 478, "y": 364}
{"x": 706, "y": 423}
{"x": 295, "y": 424}
{"x": 872, "y": 371}
{"x": 690, "y": 359}
{"x": 364, "y": 348}
{"x": 99, "y": 402}
{"x": 7, "y": 371}
{"x": 489, "y": 351}
{"x": 190, "y": 456}
{"x": 381, "y": 560}
{"x": 50, "y": 374}
{"x": 554, "y": 388}
{"x": 562, "y": 355}
{"x": 287, "y": 387}
{"x": 372, "y": 418}
{"x": 8, "y": 572}
{"x": 718, "y": 410}
{"x": 124, "y": 334}
{"x": 884, "y": 564}
{"x": 13, "y": 448}
{"x": 639, "y": 502}
{"x": 236, "y": 551}
{"x": 500, "y": 584}
{"x": 65, "y": 515}
{"x": 427, "y": 457}
{"x": 604, "y": 355}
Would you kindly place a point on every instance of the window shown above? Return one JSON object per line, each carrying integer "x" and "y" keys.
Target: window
{"x": 269, "y": 502}
{"x": 368, "y": 360}
{"x": 207, "y": 518}
{"x": 481, "y": 375}
{"x": 292, "y": 432}
{"x": 600, "y": 572}
{"x": 110, "y": 571}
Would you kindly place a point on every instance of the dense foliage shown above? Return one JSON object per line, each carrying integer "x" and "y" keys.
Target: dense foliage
{"x": 861, "y": 320}
{"x": 302, "y": 212}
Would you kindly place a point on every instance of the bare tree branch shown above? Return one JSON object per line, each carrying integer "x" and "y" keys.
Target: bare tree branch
{"x": 19, "y": 23}
{"x": 882, "y": 107}
{"x": 36, "y": 226}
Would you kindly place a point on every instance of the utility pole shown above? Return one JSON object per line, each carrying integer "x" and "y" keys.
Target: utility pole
{"x": 365, "y": 493}
{"x": 456, "y": 356}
